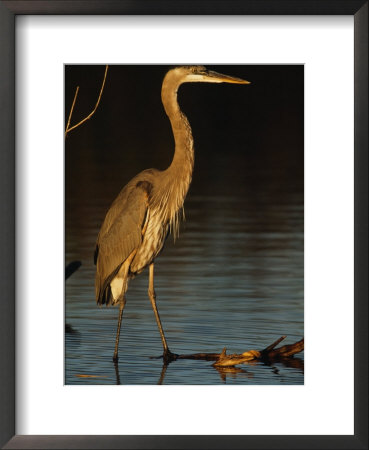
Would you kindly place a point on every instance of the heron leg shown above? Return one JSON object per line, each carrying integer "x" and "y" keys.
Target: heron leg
{"x": 121, "y": 308}
{"x": 168, "y": 355}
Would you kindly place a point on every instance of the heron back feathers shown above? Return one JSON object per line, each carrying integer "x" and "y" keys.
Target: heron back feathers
{"x": 120, "y": 235}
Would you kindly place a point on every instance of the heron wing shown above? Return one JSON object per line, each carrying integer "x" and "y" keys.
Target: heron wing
{"x": 120, "y": 235}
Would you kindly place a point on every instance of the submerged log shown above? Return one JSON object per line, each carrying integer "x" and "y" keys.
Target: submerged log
{"x": 268, "y": 354}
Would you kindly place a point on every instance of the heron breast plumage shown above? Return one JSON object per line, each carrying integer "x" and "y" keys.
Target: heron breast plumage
{"x": 155, "y": 232}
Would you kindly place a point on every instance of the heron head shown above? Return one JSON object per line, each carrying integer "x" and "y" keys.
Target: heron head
{"x": 199, "y": 74}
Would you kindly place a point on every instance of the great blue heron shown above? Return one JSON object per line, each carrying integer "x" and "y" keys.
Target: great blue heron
{"x": 148, "y": 208}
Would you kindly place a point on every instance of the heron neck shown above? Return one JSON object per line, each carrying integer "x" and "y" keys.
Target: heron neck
{"x": 182, "y": 164}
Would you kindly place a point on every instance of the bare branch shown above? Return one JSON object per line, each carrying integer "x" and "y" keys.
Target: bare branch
{"x": 71, "y": 111}
{"x": 269, "y": 353}
{"x": 285, "y": 351}
{"x": 68, "y": 129}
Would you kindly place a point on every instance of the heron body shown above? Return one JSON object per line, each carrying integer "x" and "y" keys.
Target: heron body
{"x": 149, "y": 207}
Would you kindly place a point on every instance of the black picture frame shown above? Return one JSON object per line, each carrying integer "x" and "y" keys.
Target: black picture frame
{"x": 8, "y": 12}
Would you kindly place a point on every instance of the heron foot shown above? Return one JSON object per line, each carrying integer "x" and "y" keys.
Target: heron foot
{"x": 168, "y": 356}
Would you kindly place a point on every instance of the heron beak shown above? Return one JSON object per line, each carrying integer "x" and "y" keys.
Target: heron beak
{"x": 215, "y": 77}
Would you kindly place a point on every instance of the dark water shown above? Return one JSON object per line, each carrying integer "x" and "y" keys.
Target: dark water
{"x": 234, "y": 278}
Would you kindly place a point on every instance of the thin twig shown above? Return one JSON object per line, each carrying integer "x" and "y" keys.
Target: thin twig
{"x": 68, "y": 129}
{"x": 271, "y": 346}
{"x": 71, "y": 111}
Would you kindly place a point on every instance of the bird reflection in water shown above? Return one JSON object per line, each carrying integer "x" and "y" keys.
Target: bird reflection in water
{"x": 117, "y": 377}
